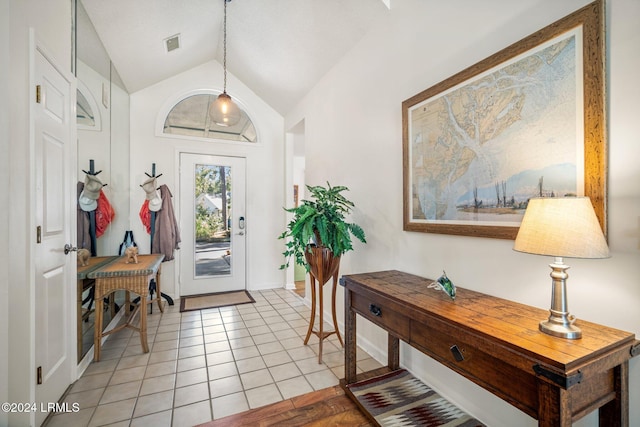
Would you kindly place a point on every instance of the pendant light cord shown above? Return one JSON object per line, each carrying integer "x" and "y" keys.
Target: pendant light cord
{"x": 224, "y": 60}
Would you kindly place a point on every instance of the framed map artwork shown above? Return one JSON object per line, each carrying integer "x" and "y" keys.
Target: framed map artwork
{"x": 525, "y": 122}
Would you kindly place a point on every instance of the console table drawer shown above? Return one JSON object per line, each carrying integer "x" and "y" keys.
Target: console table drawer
{"x": 456, "y": 349}
{"x": 383, "y": 313}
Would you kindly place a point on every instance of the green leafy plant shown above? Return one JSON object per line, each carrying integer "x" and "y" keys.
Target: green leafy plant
{"x": 320, "y": 222}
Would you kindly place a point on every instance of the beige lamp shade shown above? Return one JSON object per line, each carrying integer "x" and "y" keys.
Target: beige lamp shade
{"x": 561, "y": 227}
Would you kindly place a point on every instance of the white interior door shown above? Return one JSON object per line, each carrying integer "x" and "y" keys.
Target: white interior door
{"x": 54, "y": 357}
{"x": 213, "y": 224}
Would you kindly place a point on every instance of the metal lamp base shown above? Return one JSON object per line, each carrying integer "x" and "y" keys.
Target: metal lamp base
{"x": 560, "y": 322}
{"x": 569, "y": 331}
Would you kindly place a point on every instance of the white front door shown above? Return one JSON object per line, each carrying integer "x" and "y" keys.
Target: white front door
{"x": 54, "y": 281}
{"x": 213, "y": 224}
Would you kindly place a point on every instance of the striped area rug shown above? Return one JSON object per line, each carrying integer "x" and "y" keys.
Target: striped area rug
{"x": 399, "y": 399}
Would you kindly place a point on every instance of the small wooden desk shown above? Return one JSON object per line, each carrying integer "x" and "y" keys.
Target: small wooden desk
{"x": 496, "y": 344}
{"x": 131, "y": 278}
{"x": 84, "y": 283}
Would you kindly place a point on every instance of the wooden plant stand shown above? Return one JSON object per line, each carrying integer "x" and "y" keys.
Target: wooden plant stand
{"x": 323, "y": 266}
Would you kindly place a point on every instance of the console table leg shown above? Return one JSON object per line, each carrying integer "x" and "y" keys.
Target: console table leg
{"x": 393, "y": 352}
{"x": 553, "y": 406}
{"x": 616, "y": 412}
{"x": 350, "y": 340}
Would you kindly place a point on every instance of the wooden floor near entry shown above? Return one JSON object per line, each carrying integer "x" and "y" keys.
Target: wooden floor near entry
{"x": 327, "y": 407}
{"x": 299, "y": 288}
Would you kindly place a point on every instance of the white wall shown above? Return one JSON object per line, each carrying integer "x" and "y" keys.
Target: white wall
{"x": 264, "y": 161}
{"x": 4, "y": 201}
{"x": 353, "y": 136}
{"x": 51, "y": 21}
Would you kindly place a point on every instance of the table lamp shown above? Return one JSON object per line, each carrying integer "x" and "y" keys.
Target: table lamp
{"x": 561, "y": 227}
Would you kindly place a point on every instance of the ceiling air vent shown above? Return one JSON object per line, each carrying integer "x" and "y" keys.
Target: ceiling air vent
{"x": 172, "y": 43}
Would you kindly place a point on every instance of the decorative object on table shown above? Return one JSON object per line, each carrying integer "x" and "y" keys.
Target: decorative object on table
{"x": 223, "y": 111}
{"x": 83, "y": 256}
{"x": 127, "y": 241}
{"x": 561, "y": 227}
{"x": 317, "y": 236}
{"x": 475, "y": 143}
{"x": 445, "y": 284}
{"x": 131, "y": 255}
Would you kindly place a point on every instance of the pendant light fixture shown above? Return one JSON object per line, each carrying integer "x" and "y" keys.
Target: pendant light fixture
{"x": 223, "y": 111}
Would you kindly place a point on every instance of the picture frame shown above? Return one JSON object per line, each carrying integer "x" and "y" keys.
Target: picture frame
{"x": 527, "y": 121}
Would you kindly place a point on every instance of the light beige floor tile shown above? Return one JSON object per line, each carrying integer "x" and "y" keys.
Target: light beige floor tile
{"x": 264, "y": 338}
{"x": 270, "y": 347}
{"x": 162, "y": 368}
{"x": 256, "y": 379}
{"x": 278, "y": 358}
{"x": 220, "y": 357}
{"x": 113, "y": 412}
{"x": 195, "y": 350}
{"x": 222, "y": 370}
{"x": 191, "y": 394}
{"x": 103, "y": 366}
{"x": 85, "y": 399}
{"x": 191, "y": 363}
{"x": 153, "y": 403}
{"x": 229, "y": 404}
{"x": 251, "y": 364}
{"x": 133, "y": 361}
{"x": 191, "y": 415}
{"x": 127, "y": 375}
{"x": 223, "y": 386}
{"x": 283, "y": 372}
{"x": 123, "y": 391}
{"x": 215, "y": 347}
{"x": 71, "y": 419}
{"x": 216, "y": 336}
{"x": 262, "y": 396}
{"x": 301, "y": 353}
{"x": 193, "y": 376}
{"x": 91, "y": 382}
{"x": 322, "y": 379}
{"x": 189, "y": 341}
{"x": 294, "y": 387}
{"x": 156, "y": 384}
{"x": 160, "y": 419}
{"x": 157, "y": 356}
{"x": 246, "y": 352}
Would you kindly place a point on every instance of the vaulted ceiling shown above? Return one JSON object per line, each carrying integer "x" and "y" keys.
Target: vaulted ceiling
{"x": 278, "y": 48}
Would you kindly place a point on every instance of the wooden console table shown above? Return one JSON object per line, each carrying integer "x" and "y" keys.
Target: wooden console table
{"x": 496, "y": 344}
{"x": 131, "y": 278}
{"x": 84, "y": 283}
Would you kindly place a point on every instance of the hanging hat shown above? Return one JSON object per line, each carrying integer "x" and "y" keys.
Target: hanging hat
{"x": 92, "y": 187}
{"x": 87, "y": 204}
{"x": 155, "y": 203}
{"x": 149, "y": 187}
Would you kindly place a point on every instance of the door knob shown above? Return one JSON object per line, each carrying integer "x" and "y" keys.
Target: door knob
{"x": 68, "y": 248}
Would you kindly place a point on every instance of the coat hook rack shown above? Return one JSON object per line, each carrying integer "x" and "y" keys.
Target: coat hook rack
{"x": 152, "y": 285}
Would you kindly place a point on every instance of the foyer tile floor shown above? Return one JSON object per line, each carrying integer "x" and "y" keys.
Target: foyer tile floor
{"x": 205, "y": 365}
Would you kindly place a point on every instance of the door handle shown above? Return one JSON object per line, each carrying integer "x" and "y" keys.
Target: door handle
{"x": 68, "y": 248}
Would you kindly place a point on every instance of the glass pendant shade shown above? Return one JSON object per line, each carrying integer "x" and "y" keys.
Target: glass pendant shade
{"x": 223, "y": 111}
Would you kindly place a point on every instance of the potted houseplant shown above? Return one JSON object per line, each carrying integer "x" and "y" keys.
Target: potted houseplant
{"x": 319, "y": 225}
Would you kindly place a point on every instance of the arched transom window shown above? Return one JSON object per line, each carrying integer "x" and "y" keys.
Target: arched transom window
{"x": 190, "y": 117}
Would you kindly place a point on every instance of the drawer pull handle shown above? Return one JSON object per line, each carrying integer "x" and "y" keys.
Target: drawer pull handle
{"x": 457, "y": 354}
{"x": 375, "y": 310}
